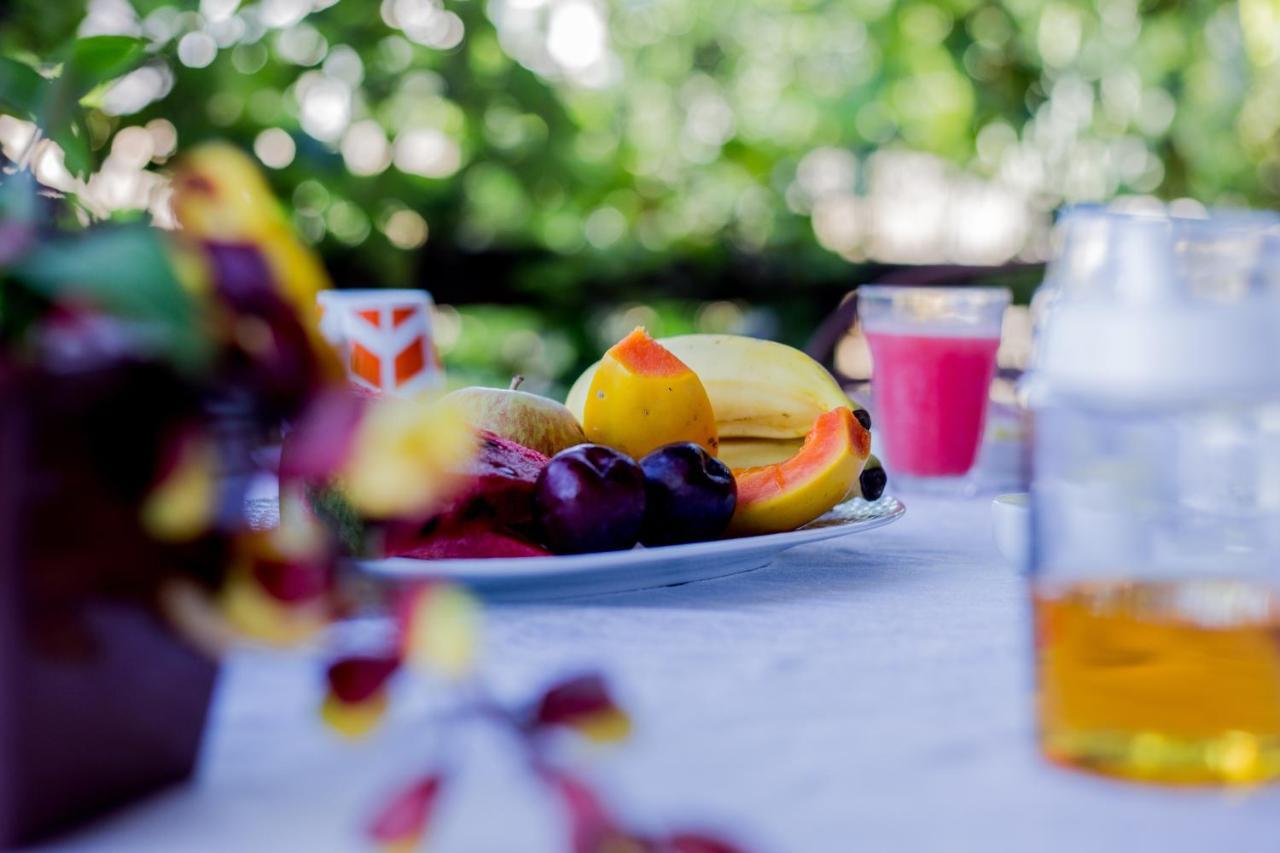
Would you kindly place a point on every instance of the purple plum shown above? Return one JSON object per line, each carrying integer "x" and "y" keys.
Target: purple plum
{"x": 589, "y": 498}
{"x": 689, "y": 495}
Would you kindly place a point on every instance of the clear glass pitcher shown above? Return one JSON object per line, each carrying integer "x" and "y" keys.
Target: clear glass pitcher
{"x": 1156, "y": 498}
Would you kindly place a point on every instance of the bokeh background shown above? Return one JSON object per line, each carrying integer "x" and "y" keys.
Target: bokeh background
{"x": 558, "y": 171}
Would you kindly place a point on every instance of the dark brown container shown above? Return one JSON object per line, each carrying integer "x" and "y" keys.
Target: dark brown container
{"x": 101, "y": 701}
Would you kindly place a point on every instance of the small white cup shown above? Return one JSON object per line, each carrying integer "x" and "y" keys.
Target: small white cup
{"x": 1011, "y": 523}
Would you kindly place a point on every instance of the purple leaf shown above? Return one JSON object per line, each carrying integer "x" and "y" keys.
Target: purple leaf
{"x": 320, "y": 441}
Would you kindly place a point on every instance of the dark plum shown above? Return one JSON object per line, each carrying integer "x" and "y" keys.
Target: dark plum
{"x": 689, "y": 495}
{"x": 872, "y": 480}
{"x": 589, "y": 498}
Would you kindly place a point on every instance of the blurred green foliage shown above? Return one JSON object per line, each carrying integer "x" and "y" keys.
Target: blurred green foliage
{"x": 591, "y": 142}
{"x": 654, "y": 129}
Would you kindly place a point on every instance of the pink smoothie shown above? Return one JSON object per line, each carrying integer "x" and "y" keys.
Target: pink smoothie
{"x": 931, "y": 399}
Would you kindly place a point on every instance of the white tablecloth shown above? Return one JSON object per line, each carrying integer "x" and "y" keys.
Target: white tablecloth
{"x": 871, "y": 694}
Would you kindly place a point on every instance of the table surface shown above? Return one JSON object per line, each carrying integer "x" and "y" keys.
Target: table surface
{"x": 872, "y": 693}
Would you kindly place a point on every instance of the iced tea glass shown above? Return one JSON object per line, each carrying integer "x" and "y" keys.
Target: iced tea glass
{"x": 1156, "y": 500}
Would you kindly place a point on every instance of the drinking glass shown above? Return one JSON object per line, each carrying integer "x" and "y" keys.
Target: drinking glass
{"x": 1156, "y": 498}
{"x": 933, "y": 352}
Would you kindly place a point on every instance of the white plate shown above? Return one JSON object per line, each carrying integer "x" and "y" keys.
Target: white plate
{"x": 528, "y": 578}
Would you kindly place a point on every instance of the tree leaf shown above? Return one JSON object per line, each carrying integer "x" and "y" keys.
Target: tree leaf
{"x": 88, "y": 63}
{"x": 73, "y": 137}
{"x": 97, "y": 59}
{"x": 21, "y": 88}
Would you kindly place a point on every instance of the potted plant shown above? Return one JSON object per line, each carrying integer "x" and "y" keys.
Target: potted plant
{"x": 138, "y": 368}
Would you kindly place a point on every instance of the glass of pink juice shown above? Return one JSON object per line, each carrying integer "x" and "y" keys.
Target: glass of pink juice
{"x": 933, "y": 354}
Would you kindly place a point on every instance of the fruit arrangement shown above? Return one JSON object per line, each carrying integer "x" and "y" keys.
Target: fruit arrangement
{"x": 661, "y": 442}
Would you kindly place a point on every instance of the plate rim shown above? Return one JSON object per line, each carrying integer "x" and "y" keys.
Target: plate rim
{"x": 501, "y": 568}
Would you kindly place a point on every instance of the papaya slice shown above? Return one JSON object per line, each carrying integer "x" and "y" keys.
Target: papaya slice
{"x": 783, "y": 496}
{"x": 643, "y": 397}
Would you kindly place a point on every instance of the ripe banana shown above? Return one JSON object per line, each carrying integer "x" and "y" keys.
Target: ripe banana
{"x": 758, "y": 388}
{"x": 755, "y": 452}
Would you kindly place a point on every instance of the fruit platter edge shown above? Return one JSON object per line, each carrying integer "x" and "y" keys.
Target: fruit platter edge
{"x": 558, "y": 577}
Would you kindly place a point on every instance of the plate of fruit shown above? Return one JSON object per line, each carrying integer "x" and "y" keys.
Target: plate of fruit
{"x": 672, "y": 460}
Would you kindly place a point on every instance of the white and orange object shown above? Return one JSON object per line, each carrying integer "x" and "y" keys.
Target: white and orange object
{"x": 384, "y": 337}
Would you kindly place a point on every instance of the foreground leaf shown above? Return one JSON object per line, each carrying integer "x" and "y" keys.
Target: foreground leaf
{"x": 359, "y": 677}
{"x": 584, "y": 704}
{"x": 406, "y": 457}
{"x": 693, "y": 842}
{"x": 278, "y": 583}
{"x": 439, "y": 624}
{"x": 183, "y": 504}
{"x": 405, "y": 820}
{"x": 354, "y": 720}
{"x": 591, "y": 828}
{"x": 125, "y": 272}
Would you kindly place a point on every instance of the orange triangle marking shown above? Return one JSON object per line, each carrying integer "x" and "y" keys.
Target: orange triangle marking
{"x": 409, "y": 362}
{"x": 366, "y": 365}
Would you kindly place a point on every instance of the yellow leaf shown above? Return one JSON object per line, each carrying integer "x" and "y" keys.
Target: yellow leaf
{"x": 354, "y": 719}
{"x": 407, "y": 456}
{"x": 607, "y": 727}
{"x": 407, "y": 845}
{"x": 183, "y": 504}
{"x": 442, "y": 630}
{"x": 256, "y": 615}
{"x": 220, "y": 194}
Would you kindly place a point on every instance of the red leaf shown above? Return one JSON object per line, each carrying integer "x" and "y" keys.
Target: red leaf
{"x": 575, "y": 699}
{"x": 290, "y": 582}
{"x": 355, "y": 679}
{"x": 589, "y": 824}
{"x": 408, "y": 814}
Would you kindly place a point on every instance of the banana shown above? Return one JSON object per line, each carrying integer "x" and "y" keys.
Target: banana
{"x": 755, "y": 452}
{"x": 758, "y": 389}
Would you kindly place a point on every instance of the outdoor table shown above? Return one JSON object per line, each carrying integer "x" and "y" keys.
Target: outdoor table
{"x": 869, "y": 694}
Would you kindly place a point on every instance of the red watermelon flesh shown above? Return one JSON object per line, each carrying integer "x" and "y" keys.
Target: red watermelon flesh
{"x": 468, "y": 539}
{"x": 503, "y": 474}
{"x": 484, "y": 519}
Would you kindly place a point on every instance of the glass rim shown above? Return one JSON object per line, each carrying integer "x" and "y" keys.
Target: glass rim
{"x": 1214, "y": 219}
{"x": 986, "y": 294}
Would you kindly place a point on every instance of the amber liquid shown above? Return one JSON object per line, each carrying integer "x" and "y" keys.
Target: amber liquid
{"x": 1175, "y": 682}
